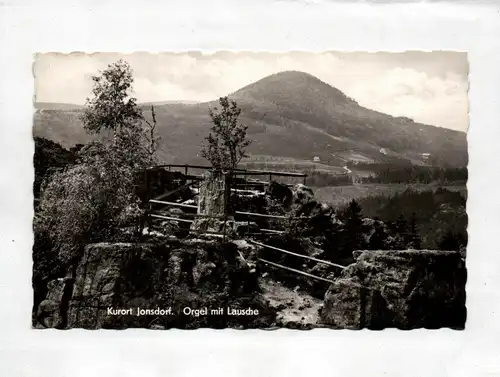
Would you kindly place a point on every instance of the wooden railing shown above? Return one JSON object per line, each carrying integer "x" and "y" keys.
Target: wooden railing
{"x": 262, "y": 230}
{"x": 298, "y": 255}
{"x": 274, "y": 264}
{"x": 236, "y": 172}
{"x": 197, "y": 215}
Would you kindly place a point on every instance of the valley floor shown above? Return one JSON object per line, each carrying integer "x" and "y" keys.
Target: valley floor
{"x": 341, "y": 195}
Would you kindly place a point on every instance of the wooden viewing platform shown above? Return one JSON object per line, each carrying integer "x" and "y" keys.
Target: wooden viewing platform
{"x": 192, "y": 218}
{"x": 236, "y": 171}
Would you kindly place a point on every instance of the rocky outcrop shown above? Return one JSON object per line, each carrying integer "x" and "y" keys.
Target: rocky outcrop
{"x": 404, "y": 289}
{"x": 51, "y": 312}
{"x": 302, "y": 194}
{"x": 172, "y": 274}
{"x": 280, "y": 193}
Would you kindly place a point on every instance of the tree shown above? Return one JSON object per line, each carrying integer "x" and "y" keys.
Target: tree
{"x": 353, "y": 233}
{"x": 91, "y": 200}
{"x": 112, "y": 107}
{"x": 227, "y": 141}
{"x": 401, "y": 226}
{"x": 452, "y": 240}
{"x": 378, "y": 240}
{"x": 152, "y": 140}
{"x": 414, "y": 240}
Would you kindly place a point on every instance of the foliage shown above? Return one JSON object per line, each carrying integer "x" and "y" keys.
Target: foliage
{"x": 124, "y": 150}
{"x": 89, "y": 201}
{"x": 227, "y": 141}
{"x": 452, "y": 240}
{"x": 379, "y": 239}
{"x": 420, "y": 219}
{"x": 430, "y": 220}
{"x": 49, "y": 156}
{"x": 86, "y": 203}
{"x": 352, "y": 234}
{"x": 405, "y": 172}
{"x": 288, "y": 116}
{"x": 93, "y": 199}
{"x": 413, "y": 239}
{"x": 322, "y": 179}
{"x": 112, "y": 107}
{"x": 340, "y": 196}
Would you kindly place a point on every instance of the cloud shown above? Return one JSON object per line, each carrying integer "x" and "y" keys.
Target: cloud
{"x": 427, "y": 87}
{"x": 407, "y": 92}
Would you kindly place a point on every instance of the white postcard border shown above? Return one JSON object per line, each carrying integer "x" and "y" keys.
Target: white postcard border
{"x": 126, "y": 26}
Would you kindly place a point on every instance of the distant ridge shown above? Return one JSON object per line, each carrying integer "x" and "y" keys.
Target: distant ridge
{"x": 72, "y": 106}
{"x": 172, "y": 102}
{"x": 57, "y": 106}
{"x": 289, "y": 114}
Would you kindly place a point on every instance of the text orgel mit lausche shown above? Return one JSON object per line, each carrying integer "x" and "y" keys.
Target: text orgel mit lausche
{"x": 186, "y": 311}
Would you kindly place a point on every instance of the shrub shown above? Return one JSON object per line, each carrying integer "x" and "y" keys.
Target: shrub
{"x": 89, "y": 201}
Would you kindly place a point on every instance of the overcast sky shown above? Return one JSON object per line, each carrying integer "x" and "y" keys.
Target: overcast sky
{"x": 429, "y": 87}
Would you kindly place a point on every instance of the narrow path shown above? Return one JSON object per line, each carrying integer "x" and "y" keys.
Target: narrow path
{"x": 340, "y": 158}
{"x": 347, "y": 170}
{"x": 294, "y": 307}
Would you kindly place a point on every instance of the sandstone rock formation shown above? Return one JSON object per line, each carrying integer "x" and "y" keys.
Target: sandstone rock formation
{"x": 192, "y": 273}
{"x": 280, "y": 193}
{"x": 51, "y": 312}
{"x": 404, "y": 289}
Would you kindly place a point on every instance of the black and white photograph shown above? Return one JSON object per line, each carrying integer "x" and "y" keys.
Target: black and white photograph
{"x": 250, "y": 190}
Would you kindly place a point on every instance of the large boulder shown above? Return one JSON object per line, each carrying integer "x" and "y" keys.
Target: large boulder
{"x": 172, "y": 274}
{"x": 280, "y": 193}
{"x": 302, "y": 194}
{"x": 305, "y": 204}
{"x": 404, "y": 289}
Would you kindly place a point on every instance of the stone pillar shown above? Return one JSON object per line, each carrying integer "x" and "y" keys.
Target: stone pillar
{"x": 213, "y": 200}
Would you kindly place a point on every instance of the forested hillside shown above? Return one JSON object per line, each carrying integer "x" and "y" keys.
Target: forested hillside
{"x": 289, "y": 114}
